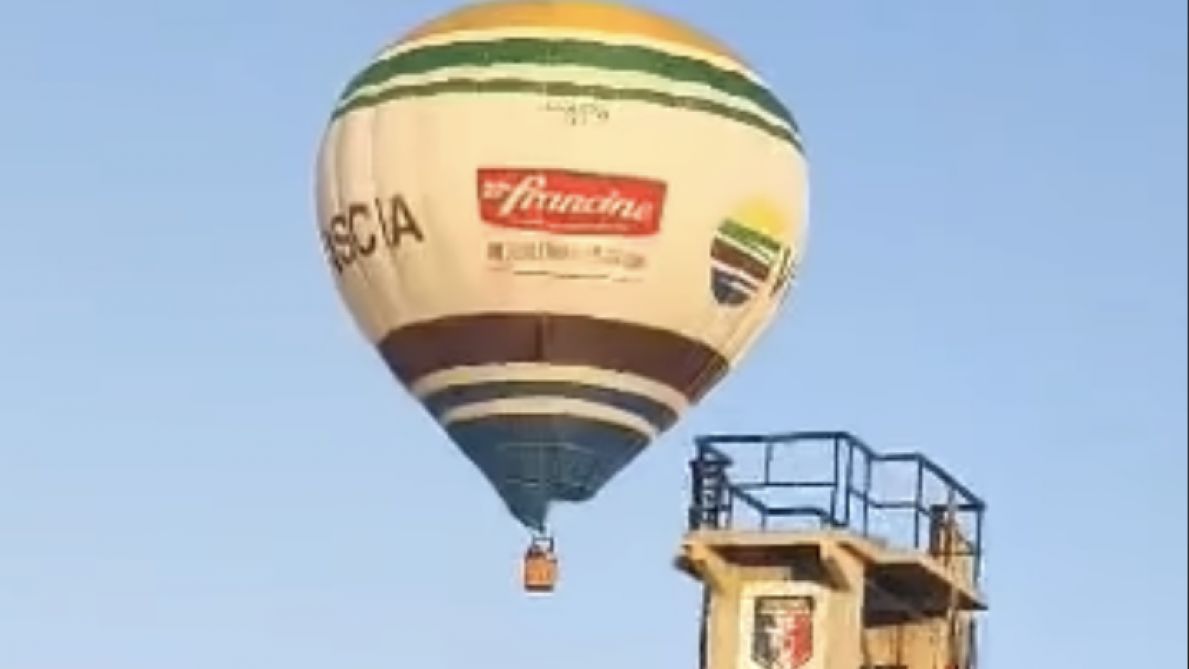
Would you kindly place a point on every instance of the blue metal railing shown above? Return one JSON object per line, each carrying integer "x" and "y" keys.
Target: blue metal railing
{"x": 848, "y": 499}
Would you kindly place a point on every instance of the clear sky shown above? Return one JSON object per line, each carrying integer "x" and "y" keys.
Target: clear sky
{"x": 202, "y": 465}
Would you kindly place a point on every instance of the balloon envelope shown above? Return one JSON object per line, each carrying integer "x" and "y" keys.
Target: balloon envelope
{"x": 560, "y": 223}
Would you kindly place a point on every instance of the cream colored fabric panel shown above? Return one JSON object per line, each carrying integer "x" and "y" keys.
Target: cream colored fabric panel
{"x": 426, "y": 151}
{"x": 549, "y": 405}
{"x": 462, "y": 376}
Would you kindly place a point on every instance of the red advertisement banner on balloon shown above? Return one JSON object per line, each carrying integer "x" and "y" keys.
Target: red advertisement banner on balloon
{"x": 570, "y": 203}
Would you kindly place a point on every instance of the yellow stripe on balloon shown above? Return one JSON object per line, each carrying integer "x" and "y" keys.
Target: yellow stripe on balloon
{"x": 572, "y": 14}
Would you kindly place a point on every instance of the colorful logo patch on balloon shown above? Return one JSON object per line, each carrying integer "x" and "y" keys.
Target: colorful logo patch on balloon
{"x": 747, "y": 251}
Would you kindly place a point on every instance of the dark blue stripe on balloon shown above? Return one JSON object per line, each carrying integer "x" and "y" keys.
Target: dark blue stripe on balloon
{"x": 657, "y": 413}
{"x": 535, "y": 460}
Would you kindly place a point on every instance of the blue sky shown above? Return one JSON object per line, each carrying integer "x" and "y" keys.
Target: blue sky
{"x": 202, "y": 465}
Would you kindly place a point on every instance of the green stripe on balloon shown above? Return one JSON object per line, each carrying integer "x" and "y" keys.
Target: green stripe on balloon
{"x": 547, "y": 52}
{"x": 565, "y": 89}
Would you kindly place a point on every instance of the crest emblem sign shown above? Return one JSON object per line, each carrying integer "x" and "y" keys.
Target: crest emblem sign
{"x": 782, "y": 632}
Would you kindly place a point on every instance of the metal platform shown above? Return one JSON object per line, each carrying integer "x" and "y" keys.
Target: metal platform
{"x": 765, "y": 498}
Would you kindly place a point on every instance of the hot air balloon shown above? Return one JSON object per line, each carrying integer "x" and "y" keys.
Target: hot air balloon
{"x": 560, "y": 224}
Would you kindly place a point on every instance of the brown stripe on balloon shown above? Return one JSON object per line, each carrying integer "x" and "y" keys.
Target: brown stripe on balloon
{"x": 733, "y": 257}
{"x": 682, "y": 363}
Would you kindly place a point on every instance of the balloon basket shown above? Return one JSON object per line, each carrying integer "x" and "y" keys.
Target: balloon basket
{"x": 540, "y": 567}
